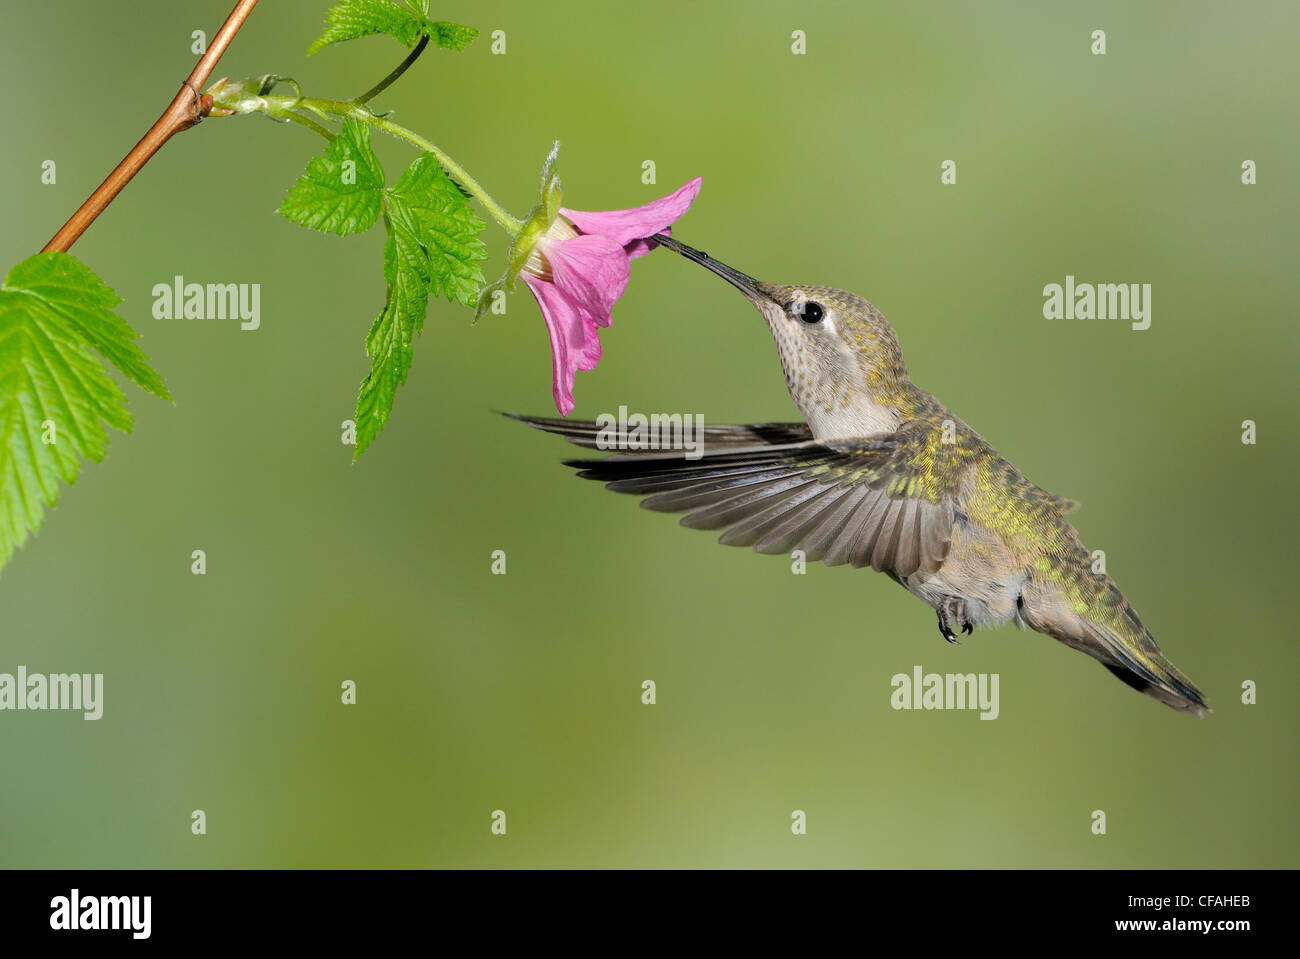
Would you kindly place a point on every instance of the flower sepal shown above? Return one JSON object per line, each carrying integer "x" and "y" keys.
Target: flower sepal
{"x": 537, "y": 224}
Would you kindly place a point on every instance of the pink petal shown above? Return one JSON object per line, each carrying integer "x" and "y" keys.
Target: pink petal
{"x": 642, "y": 247}
{"x": 591, "y": 272}
{"x": 575, "y": 344}
{"x": 590, "y": 347}
{"x": 625, "y": 226}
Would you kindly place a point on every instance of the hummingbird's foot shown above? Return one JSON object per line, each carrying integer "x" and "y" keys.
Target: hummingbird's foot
{"x": 946, "y": 631}
{"x": 953, "y": 611}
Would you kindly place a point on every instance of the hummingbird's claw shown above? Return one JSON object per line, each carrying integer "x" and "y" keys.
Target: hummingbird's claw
{"x": 945, "y": 629}
{"x": 953, "y": 610}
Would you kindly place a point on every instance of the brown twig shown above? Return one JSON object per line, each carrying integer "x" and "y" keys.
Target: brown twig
{"x": 187, "y": 109}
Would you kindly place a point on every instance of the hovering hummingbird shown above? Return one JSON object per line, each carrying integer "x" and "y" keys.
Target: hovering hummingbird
{"x": 881, "y": 474}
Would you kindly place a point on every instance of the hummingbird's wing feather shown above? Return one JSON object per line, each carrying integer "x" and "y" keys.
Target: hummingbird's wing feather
{"x": 587, "y": 433}
{"x": 772, "y": 487}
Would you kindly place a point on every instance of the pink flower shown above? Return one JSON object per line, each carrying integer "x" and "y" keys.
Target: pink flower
{"x": 579, "y": 268}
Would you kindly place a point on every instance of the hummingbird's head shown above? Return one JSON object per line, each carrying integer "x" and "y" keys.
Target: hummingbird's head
{"x": 842, "y": 362}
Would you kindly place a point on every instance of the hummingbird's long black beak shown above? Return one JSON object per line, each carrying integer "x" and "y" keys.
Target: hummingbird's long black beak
{"x": 746, "y": 284}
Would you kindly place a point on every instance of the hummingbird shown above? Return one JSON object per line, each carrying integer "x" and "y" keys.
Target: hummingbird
{"x": 881, "y": 474}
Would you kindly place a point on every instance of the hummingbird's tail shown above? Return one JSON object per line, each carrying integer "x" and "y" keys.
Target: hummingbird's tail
{"x": 1106, "y": 627}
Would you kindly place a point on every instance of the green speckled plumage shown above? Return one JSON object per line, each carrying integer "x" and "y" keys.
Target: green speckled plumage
{"x": 1028, "y": 518}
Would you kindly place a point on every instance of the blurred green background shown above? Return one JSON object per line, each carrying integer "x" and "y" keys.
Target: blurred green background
{"x": 522, "y": 692}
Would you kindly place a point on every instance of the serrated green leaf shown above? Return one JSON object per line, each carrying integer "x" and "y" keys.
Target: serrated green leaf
{"x": 433, "y": 248}
{"x": 449, "y": 36}
{"x": 389, "y": 342}
{"x": 446, "y": 225}
{"x": 407, "y": 22}
{"x": 55, "y": 314}
{"x": 341, "y": 192}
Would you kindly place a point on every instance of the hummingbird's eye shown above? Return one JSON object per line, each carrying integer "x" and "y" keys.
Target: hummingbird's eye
{"x": 808, "y": 311}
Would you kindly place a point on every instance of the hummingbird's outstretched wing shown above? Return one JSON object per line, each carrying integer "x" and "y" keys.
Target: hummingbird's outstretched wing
{"x": 772, "y": 487}
{"x": 586, "y": 433}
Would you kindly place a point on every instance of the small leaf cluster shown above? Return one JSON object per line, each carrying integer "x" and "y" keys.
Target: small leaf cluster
{"x": 433, "y": 249}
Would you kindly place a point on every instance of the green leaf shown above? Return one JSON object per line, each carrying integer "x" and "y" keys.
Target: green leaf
{"x": 389, "y": 342}
{"x": 407, "y": 22}
{"x": 433, "y": 248}
{"x": 56, "y": 396}
{"x": 341, "y": 192}
{"x": 447, "y": 227}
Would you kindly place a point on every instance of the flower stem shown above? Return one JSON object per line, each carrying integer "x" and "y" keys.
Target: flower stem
{"x": 282, "y": 106}
{"x": 455, "y": 171}
{"x": 290, "y": 117}
{"x": 401, "y": 68}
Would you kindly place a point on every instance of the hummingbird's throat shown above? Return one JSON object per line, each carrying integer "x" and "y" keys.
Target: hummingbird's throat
{"x": 537, "y": 264}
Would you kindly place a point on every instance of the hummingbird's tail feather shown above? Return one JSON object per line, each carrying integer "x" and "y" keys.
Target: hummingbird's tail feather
{"x": 1115, "y": 637}
{"x": 1151, "y": 672}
